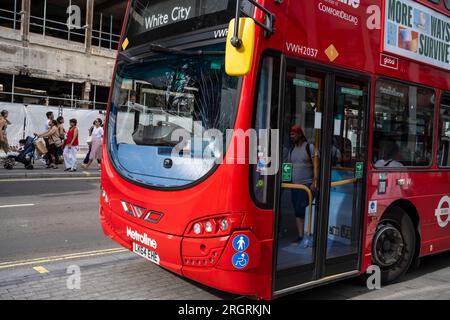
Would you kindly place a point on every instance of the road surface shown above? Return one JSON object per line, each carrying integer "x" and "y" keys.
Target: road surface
{"x": 50, "y": 229}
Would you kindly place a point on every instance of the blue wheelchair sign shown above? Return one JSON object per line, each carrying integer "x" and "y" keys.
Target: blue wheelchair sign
{"x": 241, "y": 243}
{"x": 240, "y": 260}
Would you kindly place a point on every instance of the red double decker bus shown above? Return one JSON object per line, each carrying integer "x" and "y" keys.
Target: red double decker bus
{"x": 355, "y": 172}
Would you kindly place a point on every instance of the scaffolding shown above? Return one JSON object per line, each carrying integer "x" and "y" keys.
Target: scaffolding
{"x": 68, "y": 101}
{"x": 102, "y": 36}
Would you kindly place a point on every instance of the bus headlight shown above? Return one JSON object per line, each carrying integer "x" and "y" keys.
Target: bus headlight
{"x": 224, "y": 225}
{"x": 215, "y": 226}
{"x": 197, "y": 228}
{"x": 208, "y": 227}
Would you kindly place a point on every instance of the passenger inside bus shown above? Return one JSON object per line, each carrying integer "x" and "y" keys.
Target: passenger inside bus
{"x": 392, "y": 156}
{"x": 336, "y": 153}
{"x": 302, "y": 156}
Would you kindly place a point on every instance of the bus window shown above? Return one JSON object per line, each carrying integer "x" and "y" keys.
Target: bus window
{"x": 262, "y": 184}
{"x": 444, "y": 132}
{"x": 403, "y": 130}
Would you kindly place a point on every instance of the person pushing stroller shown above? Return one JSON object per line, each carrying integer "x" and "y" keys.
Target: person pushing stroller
{"x": 23, "y": 154}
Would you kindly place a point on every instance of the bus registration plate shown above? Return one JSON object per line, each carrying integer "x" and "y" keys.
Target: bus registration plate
{"x": 146, "y": 253}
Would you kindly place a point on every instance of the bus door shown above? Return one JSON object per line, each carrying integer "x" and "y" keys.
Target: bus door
{"x": 320, "y": 198}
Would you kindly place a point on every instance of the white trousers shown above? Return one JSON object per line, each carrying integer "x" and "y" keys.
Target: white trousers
{"x": 70, "y": 157}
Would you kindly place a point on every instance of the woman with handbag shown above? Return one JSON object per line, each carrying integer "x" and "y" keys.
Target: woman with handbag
{"x": 62, "y": 136}
{"x": 54, "y": 142}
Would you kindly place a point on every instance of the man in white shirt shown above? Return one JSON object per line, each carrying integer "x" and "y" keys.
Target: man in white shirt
{"x": 50, "y": 117}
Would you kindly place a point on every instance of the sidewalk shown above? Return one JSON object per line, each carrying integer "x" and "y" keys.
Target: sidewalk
{"x": 41, "y": 172}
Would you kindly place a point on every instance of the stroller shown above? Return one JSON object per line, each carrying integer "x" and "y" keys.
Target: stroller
{"x": 26, "y": 156}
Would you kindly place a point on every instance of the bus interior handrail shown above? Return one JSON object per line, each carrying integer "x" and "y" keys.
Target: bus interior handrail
{"x": 310, "y": 196}
{"x": 310, "y": 199}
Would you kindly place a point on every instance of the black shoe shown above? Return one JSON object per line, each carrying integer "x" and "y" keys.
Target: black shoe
{"x": 68, "y": 169}
{"x": 297, "y": 240}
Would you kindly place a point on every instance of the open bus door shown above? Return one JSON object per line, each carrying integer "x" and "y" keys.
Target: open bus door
{"x": 318, "y": 229}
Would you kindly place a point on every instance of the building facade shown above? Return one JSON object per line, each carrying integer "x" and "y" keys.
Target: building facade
{"x": 58, "y": 52}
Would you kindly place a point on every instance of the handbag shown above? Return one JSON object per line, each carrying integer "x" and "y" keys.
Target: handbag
{"x": 58, "y": 142}
{"x": 41, "y": 148}
{"x": 89, "y": 140}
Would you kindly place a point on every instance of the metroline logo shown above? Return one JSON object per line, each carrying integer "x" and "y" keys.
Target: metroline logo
{"x": 144, "y": 239}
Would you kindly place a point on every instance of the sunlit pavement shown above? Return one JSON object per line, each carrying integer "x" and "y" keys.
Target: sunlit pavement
{"x": 112, "y": 276}
{"x": 431, "y": 281}
{"x": 52, "y": 247}
{"x": 122, "y": 275}
{"x": 41, "y": 172}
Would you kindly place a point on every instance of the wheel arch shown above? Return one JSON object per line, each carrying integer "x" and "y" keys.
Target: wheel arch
{"x": 413, "y": 214}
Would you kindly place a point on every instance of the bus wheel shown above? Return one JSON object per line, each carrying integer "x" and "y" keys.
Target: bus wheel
{"x": 393, "y": 245}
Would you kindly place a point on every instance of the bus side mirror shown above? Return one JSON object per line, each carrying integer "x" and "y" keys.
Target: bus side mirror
{"x": 239, "y": 52}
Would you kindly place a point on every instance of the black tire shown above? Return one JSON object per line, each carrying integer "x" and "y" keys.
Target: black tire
{"x": 394, "y": 245}
{"x": 8, "y": 166}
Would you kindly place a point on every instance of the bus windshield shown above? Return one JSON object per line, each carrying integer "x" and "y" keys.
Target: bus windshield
{"x": 159, "y": 96}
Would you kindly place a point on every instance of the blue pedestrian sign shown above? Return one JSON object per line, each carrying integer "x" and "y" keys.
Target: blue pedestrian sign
{"x": 240, "y": 260}
{"x": 241, "y": 243}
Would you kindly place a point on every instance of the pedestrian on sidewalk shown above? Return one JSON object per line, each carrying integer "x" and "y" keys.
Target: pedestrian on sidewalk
{"x": 4, "y": 122}
{"x": 62, "y": 136}
{"x": 50, "y": 117}
{"x": 89, "y": 143}
{"x": 54, "y": 142}
{"x": 97, "y": 143}
{"x": 71, "y": 147}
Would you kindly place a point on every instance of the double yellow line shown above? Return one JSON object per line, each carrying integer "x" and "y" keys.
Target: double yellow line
{"x": 39, "y": 261}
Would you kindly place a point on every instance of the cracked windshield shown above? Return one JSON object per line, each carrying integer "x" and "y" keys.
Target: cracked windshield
{"x": 168, "y": 101}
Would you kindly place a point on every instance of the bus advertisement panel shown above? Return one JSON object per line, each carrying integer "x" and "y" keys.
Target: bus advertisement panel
{"x": 414, "y": 31}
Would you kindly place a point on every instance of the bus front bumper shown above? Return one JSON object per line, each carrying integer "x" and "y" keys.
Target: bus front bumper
{"x": 128, "y": 234}
{"x": 178, "y": 254}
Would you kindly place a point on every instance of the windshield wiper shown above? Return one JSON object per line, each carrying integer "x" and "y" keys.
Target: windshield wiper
{"x": 124, "y": 56}
{"x": 159, "y": 48}
{"x": 156, "y": 48}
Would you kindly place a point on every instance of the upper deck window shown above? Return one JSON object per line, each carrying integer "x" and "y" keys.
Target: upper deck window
{"x": 403, "y": 132}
